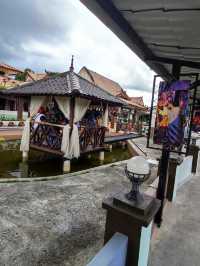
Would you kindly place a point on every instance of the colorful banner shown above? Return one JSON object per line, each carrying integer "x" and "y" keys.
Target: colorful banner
{"x": 196, "y": 121}
{"x": 172, "y": 113}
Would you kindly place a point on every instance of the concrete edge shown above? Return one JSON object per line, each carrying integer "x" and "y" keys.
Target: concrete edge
{"x": 48, "y": 178}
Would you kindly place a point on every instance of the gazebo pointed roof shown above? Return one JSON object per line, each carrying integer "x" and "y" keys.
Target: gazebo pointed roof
{"x": 66, "y": 84}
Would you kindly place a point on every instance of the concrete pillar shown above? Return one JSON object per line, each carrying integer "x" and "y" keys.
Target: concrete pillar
{"x": 110, "y": 147}
{"x": 66, "y": 166}
{"x": 194, "y": 151}
{"x": 133, "y": 219}
{"x": 19, "y": 109}
{"x": 101, "y": 156}
{"x": 24, "y": 156}
{"x": 123, "y": 144}
{"x": 23, "y": 170}
{"x": 173, "y": 163}
{"x": 115, "y": 126}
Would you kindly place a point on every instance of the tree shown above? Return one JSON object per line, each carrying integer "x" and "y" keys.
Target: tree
{"x": 22, "y": 76}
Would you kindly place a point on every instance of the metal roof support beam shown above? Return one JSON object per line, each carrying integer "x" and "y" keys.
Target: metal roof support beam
{"x": 174, "y": 61}
{"x": 176, "y": 70}
{"x": 109, "y": 8}
{"x": 162, "y": 9}
{"x": 192, "y": 112}
{"x": 135, "y": 41}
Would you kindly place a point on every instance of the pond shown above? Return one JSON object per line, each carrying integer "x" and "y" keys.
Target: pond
{"x": 43, "y": 164}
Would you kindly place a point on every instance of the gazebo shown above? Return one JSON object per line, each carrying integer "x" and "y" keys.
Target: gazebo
{"x": 74, "y": 96}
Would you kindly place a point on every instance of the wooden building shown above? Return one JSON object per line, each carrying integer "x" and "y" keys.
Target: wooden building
{"x": 127, "y": 118}
{"x": 34, "y": 76}
{"x": 9, "y": 71}
{"x": 8, "y": 80}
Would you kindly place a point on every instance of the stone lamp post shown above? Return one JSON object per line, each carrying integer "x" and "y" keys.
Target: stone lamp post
{"x": 132, "y": 214}
{"x": 137, "y": 170}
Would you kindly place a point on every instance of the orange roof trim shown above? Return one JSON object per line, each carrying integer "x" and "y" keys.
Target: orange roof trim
{"x": 3, "y": 65}
{"x": 114, "y": 88}
{"x": 36, "y": 76}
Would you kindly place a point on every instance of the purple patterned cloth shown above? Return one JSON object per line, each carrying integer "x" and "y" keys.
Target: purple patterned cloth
{"x": 172, "y": 113}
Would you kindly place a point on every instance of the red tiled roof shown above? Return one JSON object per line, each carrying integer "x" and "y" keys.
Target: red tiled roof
{"x": 3, "y": 65}
{"x": 133, "y": 104}
{"x": 4, "y": 79}
{"x": 137, "y": 100}
{"x": 36, "y": 76}
{"x": 105, "y": 83}
{"x": 114, "y": 88}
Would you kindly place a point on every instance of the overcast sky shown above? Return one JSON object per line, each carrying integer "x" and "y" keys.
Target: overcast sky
{"x": 43, "y": 34}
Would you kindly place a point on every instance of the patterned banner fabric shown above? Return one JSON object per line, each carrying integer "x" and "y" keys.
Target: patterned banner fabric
{"x": 172, "y": 113}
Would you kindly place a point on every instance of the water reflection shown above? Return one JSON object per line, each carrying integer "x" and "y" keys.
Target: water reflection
{"x": 23, "y": 169}
{"x": 43, "y": 164}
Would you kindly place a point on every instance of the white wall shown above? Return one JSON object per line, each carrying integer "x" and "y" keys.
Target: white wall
{"x": 11, "y": 115}
{"x": 113, "y": 253}
{"x": 183, "y": 173}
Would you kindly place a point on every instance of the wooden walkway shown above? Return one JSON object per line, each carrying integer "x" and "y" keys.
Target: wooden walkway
{"x": 116, "y": 138}
{"x": 16, "y": 133}
{"x": 10, "y": 133}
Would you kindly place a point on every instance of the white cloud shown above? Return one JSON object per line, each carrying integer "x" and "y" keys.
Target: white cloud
{"x": 75, "y": 30}
{"x": 146, "y": 95}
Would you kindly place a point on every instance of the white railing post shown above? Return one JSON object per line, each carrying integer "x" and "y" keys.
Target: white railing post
{"x": 183, "y": 174}
{"x": 113, "y": 253}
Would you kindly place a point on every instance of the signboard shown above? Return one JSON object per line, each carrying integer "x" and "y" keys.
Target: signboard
{"x": 172, "y": 113}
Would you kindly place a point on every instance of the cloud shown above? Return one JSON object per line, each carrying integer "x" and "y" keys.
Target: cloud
{"x": 23, "y": 22}
{"x": 44, "y": 34}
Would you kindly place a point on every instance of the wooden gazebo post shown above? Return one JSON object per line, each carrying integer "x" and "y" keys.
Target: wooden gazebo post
{"x": 102, "y": 153}
{"x": 20, "y": 108}
{"x": 67, "y": 162}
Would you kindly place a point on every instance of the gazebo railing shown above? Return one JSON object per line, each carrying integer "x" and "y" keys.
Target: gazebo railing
{"x": 91, "y": 138}
{"x": 48, "y": 137}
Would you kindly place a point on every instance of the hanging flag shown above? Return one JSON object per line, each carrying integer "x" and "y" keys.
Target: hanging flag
{"x": 172, "y": 113}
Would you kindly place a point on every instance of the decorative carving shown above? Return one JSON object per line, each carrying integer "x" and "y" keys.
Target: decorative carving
{"x": 91, "y": 138}
{"x": 49, "y": 136}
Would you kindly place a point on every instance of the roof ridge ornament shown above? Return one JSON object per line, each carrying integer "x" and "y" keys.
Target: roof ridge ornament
{"x": 72, "y": 79}
{"x": 71, "y": 69}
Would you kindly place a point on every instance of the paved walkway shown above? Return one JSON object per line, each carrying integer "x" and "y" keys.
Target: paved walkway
{"x": 59, "y": 222}
{"x": 10, "y": 133}
{"x": 178, "y": 240}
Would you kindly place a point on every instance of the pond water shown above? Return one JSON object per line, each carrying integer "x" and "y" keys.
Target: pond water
{"x": 42, "y": 164}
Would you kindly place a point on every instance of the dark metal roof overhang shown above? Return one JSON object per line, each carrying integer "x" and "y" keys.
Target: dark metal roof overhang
{"x": 161, "y": 33}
